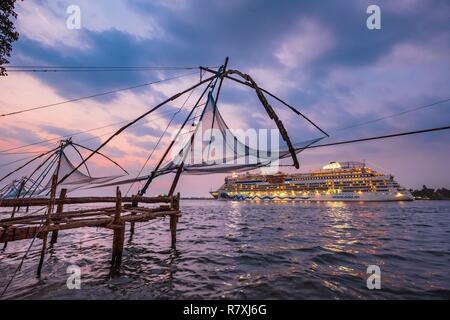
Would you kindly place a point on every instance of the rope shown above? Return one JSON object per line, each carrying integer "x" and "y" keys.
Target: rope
{"x": 379, "y": 137}
{"x": 95, "y": 95}
{"x": 70, "y": 135}
{"x": 160, "y": 138}
{"x": 159, "y": 68}
{"x": 394, "y": 115}
{"x": 23, "y": 259}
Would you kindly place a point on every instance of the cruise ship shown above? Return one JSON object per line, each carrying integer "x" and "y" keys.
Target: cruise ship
{"x": 337, "y": 181}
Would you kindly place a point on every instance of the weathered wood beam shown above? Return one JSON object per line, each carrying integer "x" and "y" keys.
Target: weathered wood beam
{"x": 248, "y": 84}
{"x": 119, "y": 232}
{"x": 134, "y": 203}
{"x": 28, "y": 232}
{"x": 272, "y": 114}
{"x": 68, "y": 214}
{"x": 22, "y": 184}
{"x": 59, "y": 210}
{"x": 79, "y": 200}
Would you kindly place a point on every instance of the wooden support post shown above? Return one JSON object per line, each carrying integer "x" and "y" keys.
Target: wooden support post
{"x": 134, "y": 203}
{"x": 22, "y": 184}
{"x": 175, "y": 180}
{"x": 174, "y": 221}
{"x": 119, "y": 233}
{"x": 44, "y": 249}
{"x": 51, "y": 203}
{"x": 118, "y": 240}
{"x": 47, "y": 222}
{"x": 173, "y": 230}
{"x": 59, "y": 210}
{"x": 177, "y": 202}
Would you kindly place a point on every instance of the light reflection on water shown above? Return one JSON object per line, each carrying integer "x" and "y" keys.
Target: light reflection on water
{"x": 254, "y": 250}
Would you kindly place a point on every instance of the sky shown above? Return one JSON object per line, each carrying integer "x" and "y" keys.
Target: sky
{"x": 317, "y": 55}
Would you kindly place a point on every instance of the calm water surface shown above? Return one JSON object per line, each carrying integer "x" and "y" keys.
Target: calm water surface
{"x": 253, "y": 251}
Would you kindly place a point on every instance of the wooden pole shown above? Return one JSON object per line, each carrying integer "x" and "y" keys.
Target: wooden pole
{"x": 273, "y": 96}
{"x": 173, "y": 230}
{"x": 154, "y": 171}
{"x": 119, "y": 233}
{"x": 47, "y": 223}
{"x": 133, "y": 122}
{"x": 22, "y": 184}
{"x": 180, "y": 168}
{"x": 41, "y": 259}
{"x": 59, "y": 210}
{"x": 134, "y": 204}
{"x": 174, "y": 221}
{"x": 272, "y": 114}
{"x": 175, "y": 180}
{"x": 35, "y": 202}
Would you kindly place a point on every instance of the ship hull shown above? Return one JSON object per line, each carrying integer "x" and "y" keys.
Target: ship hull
{"x": 214, "y": 194}
{"x": 346, "y": 197}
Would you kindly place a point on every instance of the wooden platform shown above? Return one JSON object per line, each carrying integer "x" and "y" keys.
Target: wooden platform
{"x": 125, "y": 210}
{"x": 29, "y": 226}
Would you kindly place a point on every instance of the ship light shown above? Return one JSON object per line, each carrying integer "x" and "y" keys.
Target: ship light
{"x": 399, "y": 194}
{"x": 332, "y": 165}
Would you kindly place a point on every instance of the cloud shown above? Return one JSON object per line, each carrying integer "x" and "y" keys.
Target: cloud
{"x": 52, "y": 30}
{"x": 95, "y": 16}
{"x": 318, "y": 56}
{"x": 306, "y": 43}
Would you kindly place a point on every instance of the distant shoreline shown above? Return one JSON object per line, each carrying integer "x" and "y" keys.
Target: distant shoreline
{"x": 431, "y": 194}
{"x": 428, "y": 199}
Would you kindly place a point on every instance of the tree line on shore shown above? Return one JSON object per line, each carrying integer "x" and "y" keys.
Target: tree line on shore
{"x": 431, "y": 194}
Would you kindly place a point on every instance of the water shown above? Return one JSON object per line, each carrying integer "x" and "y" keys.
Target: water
{"x": 253, "y": 251}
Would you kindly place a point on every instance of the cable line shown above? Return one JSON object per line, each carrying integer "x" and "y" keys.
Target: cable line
{"x": 7, "y": 151}
{"x": 379, "y": 137}
{"x": 95, "y": 95}
{"x": 103, "y": 67}
{"x": 394, "y": 114}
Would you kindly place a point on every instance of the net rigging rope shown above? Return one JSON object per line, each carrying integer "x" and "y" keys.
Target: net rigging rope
{"x": 162, "y": 135}
{"x": 83, "y": 140}
{"x": 85, "y": 131}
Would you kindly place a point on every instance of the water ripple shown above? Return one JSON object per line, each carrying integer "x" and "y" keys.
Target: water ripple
{"x": 236, "y": 250}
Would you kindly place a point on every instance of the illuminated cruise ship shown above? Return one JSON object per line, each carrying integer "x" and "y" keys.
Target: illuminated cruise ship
{"x": 337, "y": 181}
